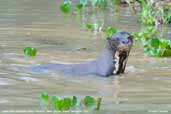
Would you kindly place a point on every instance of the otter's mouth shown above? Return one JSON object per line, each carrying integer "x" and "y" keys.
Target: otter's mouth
{"x": 121, "y": 57}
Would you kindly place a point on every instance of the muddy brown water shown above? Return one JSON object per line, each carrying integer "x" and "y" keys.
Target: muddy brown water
{"x": 144, "y": 88}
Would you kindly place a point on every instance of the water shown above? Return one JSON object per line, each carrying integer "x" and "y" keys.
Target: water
{"x": 145, "y": 86}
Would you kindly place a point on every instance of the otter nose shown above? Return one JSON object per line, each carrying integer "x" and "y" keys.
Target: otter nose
{"x": 125, "y": 41}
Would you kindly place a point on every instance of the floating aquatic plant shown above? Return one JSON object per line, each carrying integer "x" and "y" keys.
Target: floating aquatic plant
{"x": 89, "y": 101}
{"x": 66, "y": 103}
{"x": 56, "y": 103}
{"x": 110, "y": 31}
{"x": 154, "y": 45}
{"x": 75, "y": 101}
{"x": 158, "y": 47}
{"x": 99, "y": 100}
{"x": 30, "y": 51}
{"x": 90, "y": 26}
{"x": 66, "y": 7}
{"x": 149, "y": 33}
{"x": 44, "y": 99}
{"x": 166, "y": 15}
{"x": 150, "y": 14}
{"x": 93, "y": 27}
{"x": 79, "y": 6}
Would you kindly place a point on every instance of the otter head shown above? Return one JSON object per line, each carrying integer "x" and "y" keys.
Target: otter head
{"x": 120, "y": 43}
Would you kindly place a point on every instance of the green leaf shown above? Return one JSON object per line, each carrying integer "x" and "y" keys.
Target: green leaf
{"x": 152, "y": 51}
{"x": 89, "y": 26}
{"x": 136, "y": 35}
{"x": 164, "y": 44}
{"x": 89, "y": 101}
{"x": 145, "y": 35}
{"x": 146, "y": 49}
{"x": 155, "y": 42}
{"x": 74, "y": 101}
{"x": 65, "y": 8}
{"x": 151, "y": 29}
{"x": 99, "y": 100}
{"x": 44, "y": 99}
{"x": 110, "y": 31}
{"x": 30, "y": 51}
{"x": 158, "y": 53}
{"x": 167, "y": 53}
{"x": 56, "y": 103}
{"x": 79, "y": 6}
{"x": 147, "y": 15}
{"x": 67, "y": 103}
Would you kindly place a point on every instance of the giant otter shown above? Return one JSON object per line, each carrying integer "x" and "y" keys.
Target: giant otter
{"x": 111, "y": 61}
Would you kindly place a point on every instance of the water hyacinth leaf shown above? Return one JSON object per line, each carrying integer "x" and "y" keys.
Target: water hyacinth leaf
{"x": 146, "y": 49}
{"x": 79, "y": 6}
{"x": 99, "y": 100}
{"x": 151, "y": 29}
{"x": 90, "y": 26}
{"x": 30, "y": 51}
{"x": 153, "y": 51}
{"x": 136, "y": 35}
{"x": 155, "y": 42}
{"x": 154, "y": 45}
{"x": 56, "y": 103}
{"x": 89, "y": 101}
{"x": 145, "y": 35}
{"x": 74, "y": 101}
{"x": 110, "y": 31}
{"x": 158, "y": 53}
{"x": 167, "y": 53}
{"x": 165, "y": 44}
{"x": 65, "y": 8}
{"x": 44, "y": 99}
{"x": 67, "y": 103}
{"x": 147, "y": 15}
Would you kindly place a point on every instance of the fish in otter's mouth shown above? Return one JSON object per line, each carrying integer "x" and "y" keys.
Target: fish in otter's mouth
{"x": 121, "y": 57}
{"x": 121, "y": 46}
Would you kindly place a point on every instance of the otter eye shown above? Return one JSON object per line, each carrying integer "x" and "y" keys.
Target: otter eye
{"x": 130, "y": 37}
